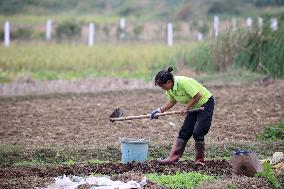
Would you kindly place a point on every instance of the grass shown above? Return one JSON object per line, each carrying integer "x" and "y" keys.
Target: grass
{"x": 32, "y": 163}
{"x": 15, "y": 155}
{"x": 95, "y": 161}
{"x": 231, "y": 76}
{"x": 57, "y": 61}
{"x": 179, "y": 180}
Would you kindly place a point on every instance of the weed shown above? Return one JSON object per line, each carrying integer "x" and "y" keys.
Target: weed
{"x": 273, "y": 132}
{"x": 232, "y": 186}
{"x": 269, "y": 175}
{"x": 44, "y": 155}
{"x": 10, "y": 154}
{"x": 70, "y": 162}
{"x": 28, "y": 163}
{"x": 96, "y": 161}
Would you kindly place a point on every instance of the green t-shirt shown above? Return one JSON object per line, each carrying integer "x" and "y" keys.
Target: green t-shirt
{"x": 185, "y": 89}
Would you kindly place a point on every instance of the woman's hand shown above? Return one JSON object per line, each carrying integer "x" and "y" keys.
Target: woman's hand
{"x": 153, "y": 114}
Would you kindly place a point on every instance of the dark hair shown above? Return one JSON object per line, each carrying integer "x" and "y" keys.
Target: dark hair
{"x": 163, "y": 76}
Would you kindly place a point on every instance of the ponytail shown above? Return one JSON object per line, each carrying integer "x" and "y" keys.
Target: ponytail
{"x": 170, "y": 69}
{"x": 164, "y": 76}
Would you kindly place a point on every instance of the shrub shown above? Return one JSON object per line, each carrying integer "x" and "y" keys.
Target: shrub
{"x": 184, "y": 13}
{"x": 69, "y": 30}
{"x": 259, "y": 51}
{"x": 262, "y": 51}
{"x": 13, "y": 6}
{"x": 262, "y": 3}
{"x": 224, "y": 6}
{"x": 1, "y": 34}
{"x": 22, "y": 34}
{"x": 137, "y": 31}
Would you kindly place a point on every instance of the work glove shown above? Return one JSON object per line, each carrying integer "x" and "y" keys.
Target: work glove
{"x": 154, "y": 113}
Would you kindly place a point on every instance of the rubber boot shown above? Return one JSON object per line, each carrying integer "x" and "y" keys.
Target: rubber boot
{"x": 176, "y": 152}
{"x": 199, "y": 151}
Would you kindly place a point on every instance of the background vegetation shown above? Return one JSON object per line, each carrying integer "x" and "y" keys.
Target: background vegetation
{"x": 179, "y": 9}
{"x": 259, "y": 51}
{"x": 232, "y": 52}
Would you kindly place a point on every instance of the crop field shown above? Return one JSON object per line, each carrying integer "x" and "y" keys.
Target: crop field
{"x": 54, "y": 61}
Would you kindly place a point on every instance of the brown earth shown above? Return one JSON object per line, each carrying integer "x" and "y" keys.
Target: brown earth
{"x": 77, "y": 120}
{"x": 241, "y": 112}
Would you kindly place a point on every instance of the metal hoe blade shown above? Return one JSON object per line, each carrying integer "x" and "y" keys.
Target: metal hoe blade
{"x": 116, "y": 114}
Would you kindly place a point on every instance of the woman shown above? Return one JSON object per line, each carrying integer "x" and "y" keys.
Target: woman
{"x": 192, "y": 94}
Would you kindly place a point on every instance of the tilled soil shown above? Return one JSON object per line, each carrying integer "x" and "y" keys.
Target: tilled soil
{"x": 79, "y": 120}
{"x": 241, "y": 112}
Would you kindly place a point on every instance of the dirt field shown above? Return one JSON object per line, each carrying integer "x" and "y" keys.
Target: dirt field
{"x": 81, "y": 119}
{"x": 241, "y": 112}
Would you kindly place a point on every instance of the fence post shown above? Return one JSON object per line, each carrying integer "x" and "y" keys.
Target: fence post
{"x": 200, "y": 36}
{"x": 249, "y": 23}
{"x": 170, "y": 34}
{"x": 91, "y": 34}
{"x": 273, "y": 24}
{"x": 216, "y": 26}
{"x": 234, "y": 24}
{"x": 260, "y": 23}
{"x": 48, "y": 29}
{"x": 122, "y": 26}
{"x": 7, "y": 34}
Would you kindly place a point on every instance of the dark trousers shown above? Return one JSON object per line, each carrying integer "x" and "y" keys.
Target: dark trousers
{"x": 198, "y": 123}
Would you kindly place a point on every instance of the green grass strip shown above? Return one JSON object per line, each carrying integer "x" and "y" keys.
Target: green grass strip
{"x": 180, "y": 180}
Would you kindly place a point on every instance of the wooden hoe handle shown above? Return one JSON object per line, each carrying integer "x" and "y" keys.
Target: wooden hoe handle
{"x": 158, "y": 114}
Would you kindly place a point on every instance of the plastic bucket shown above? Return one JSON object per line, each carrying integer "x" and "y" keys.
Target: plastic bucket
{"x": 134, "y": 150}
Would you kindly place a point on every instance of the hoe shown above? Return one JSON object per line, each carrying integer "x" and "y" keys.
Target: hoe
{"x": 117, "y": 114}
